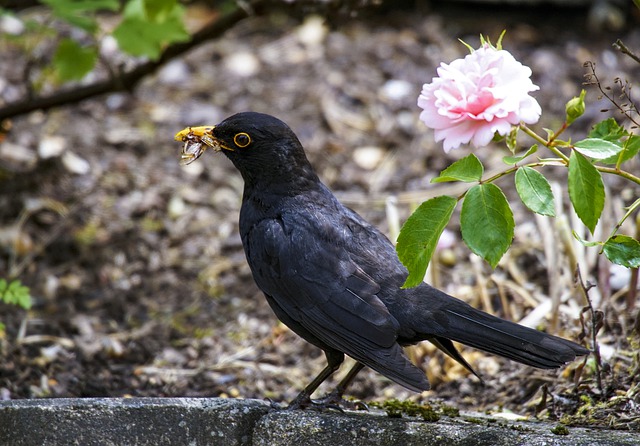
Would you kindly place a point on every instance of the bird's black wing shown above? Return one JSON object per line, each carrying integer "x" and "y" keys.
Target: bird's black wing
{"x": 425, "y": 313}
{"x": 298, "y": 260}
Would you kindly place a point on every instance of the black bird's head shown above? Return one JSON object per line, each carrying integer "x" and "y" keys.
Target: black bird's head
{"x": 263, "y": 148}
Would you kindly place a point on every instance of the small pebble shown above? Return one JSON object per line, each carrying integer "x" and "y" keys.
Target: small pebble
{"x": 18, "y": 154}
{"x": 10, "y": 24}
{"x": 448, "y": 257}
{"x": 74, "y": 164}
{"x": 312, "y": 31}
{"x": 368, "y": 157}
{"x": 176, "y": 207}
{"x": 620, "y": 277}
{"x": 397, "y": 89}
{"x": 175, "y": 73}
{"x": 243, "y": 64}
{"x": 51, "y": 146}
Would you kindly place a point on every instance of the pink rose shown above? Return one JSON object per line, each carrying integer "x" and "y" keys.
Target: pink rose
{"x": 475, "y": 97}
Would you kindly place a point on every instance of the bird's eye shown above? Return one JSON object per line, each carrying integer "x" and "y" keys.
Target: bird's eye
{"x": 242, "y": 140}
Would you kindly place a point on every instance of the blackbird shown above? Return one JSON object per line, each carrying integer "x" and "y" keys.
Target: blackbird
{"x": 335, "y": 280}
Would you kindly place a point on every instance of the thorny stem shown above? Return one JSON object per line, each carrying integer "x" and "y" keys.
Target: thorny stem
{"x": 620, "y": 173}
{"x": 546, "y": 162}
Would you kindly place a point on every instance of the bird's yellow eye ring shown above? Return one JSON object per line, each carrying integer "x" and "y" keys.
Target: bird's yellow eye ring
{"x": 242, "y": 139}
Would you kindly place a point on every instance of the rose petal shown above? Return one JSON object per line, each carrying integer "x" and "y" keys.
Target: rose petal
{"x": 475, "y": 97}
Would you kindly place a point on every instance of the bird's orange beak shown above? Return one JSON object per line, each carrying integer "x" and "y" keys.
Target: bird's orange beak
{"x": 196, "y": 140}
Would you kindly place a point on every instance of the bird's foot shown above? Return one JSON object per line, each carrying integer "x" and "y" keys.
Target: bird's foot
{"x": 304, "y": 402}
{"x": 331, "y": 401}
{"x": 335, "y": 399}
{"x": 274, "y": 405}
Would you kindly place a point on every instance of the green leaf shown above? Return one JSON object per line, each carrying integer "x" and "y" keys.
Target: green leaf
{"x": 21, "y": 294}
{"x": 611, "y": 131}
{"x": 467, "y": 169}
{"x": 139, "y": 36}
{"x": 159, "y": 10}
{"x": 419, "y": 236}
{"x": 586, "y": 190}
{"x": 511, "y": 160}
{"x": 630, "y": 149}
{"x": 623, "y": 250}
{"x": 80, "y": 12}
{"x": 598, "y": 148}
{"x": 487, "y": 222}
{"x": 73, "y": 62}
{"x": 608, "y": 129}
{"x": 535, "y": 191}
{"x": 15, "y": 293}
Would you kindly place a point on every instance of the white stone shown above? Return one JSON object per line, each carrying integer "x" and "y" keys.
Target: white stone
{"x": 51, "y": 146}
{"x": 368, "y": 157}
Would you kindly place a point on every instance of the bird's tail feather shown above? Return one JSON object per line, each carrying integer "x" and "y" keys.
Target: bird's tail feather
{"x": 483, "y": 331}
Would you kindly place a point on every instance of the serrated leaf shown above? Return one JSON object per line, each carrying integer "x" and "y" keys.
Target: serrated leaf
{"x": 73, "y": 62}
{"x": 597, "y": 148}
{"x": 630, "y": 148}
{"x": 486, "y": 222}
{"x": 623, "y": 250}
{"x": 608, "y": 129}
{"x": 535, "y": 191}
{"x": 467, "y": 169}
{"x": 511, "y": 160}
{"x": 419, "y": 236}
{"x": 586, "y": 190}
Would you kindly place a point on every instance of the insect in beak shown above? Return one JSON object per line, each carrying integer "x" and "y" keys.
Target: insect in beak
{"x": 196, "y": 141}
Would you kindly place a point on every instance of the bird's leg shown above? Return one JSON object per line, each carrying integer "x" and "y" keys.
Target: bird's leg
{"x": 303, "y": 400}
{"x": 336, "y": 397}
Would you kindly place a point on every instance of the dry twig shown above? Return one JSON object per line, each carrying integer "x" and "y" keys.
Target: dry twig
{"x": 597, "y": 322}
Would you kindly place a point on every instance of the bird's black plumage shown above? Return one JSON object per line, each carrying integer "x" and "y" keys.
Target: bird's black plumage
{"x": 335, "y": 280}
